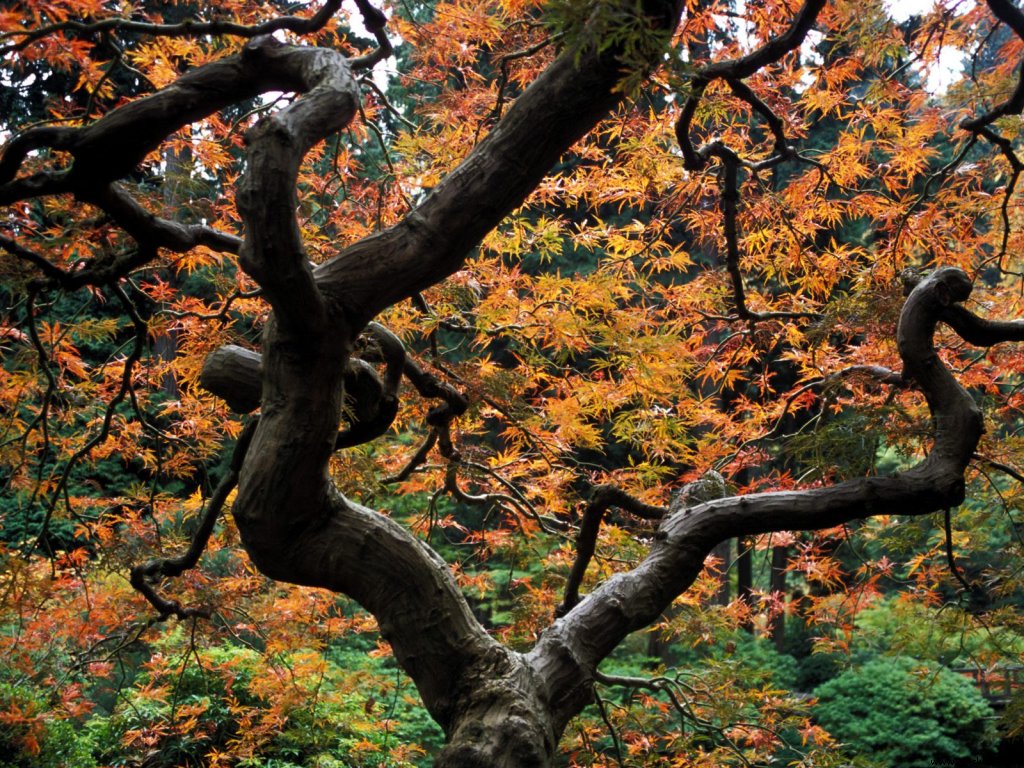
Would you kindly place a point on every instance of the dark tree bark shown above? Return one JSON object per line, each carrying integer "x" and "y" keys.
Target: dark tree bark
{"x": 723, "y": 553}
{"x": 745, "y": 576}
{"x": 777, "y": 586}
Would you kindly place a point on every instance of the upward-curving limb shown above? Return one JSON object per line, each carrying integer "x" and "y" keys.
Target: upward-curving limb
{"x": 567, "y": 655}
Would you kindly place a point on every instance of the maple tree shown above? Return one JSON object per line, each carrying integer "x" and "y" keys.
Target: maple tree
{"x": 582, "y": 288}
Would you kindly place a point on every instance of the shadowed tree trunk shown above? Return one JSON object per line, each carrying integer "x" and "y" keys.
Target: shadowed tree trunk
{"x": 177, "y": 168}
{"x": 723, "y": 554}
{"x": 777, "y": 586}
{"x": 745, "y": 576}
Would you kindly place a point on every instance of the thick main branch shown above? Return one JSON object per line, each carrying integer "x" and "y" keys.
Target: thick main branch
{"x": 576, "y": 90}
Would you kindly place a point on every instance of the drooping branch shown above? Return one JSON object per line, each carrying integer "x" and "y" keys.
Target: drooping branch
{"x": 947, "y": 524}
{"x": 1006, "y": 148}
{"x": 733, "y": 71}
{"x": 775, "y": 125}
{"x": 1013, "y": 17}
{"x": 37, "y": 184}
{"x": 878, "y": 373}
{"x": 124, "y": 390}
{"x": 415, "y": 461}
{"x": 770, "y": 52}
{"x": 680, "y": 695}
{"x": 146, "y": 576}
{"x": 981, "y": 125}
{"x": 152, "y": 231}
{"x": 710, "y": 485}
{"x": 37, "y": 260}
{"x": 729, "y": 198}
{"x": 453, "y": 404}
{"x": 632, "y": 600}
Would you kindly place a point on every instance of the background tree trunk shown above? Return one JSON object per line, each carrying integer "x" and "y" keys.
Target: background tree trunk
{"x": 777, "y": 586}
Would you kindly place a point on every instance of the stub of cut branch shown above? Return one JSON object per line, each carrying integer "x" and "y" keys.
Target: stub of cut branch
{"x": 235, "y": 374}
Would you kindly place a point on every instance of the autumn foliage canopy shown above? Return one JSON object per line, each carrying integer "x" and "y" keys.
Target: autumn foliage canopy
{"x": 355, "y": 356}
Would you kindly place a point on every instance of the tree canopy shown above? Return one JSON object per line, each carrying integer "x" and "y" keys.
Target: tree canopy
{"x": 372, "y": 367}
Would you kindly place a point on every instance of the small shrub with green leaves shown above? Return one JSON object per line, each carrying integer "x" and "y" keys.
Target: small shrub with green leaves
{"x": 32, "y": 735}
{"x": 904, "y": 713}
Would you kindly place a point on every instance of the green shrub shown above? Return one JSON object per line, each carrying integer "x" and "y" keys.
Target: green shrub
{"x": 945, "y": 634}
{"x": 816, "y": 669}
{"x": 754, "y": 659}
{"x": 901, "y": 712}
{"x": 33, "y": 736}
{"x": 758, "y": 660}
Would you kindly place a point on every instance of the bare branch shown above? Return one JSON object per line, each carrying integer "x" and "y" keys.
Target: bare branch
{"x": 44, "y": 265}
{"x": 1011, "y": 15}
{"x": 979, "y": 331}
{"x": 773, "y": 50}
{"x": 602, "y": 497}
{"x": 151, "y": 231}
{"x": 375, "y": 21}
{"x": 950, "y": 557}
{"x": 115, "y": 144}
{"x": 297, "y": 24}
{"x": 733, "y": 71}
{"x": 272, "y": 252}
{"x": 743, "y": 91}
{"x": 146, "y": 576}
{"x": 374, "y": 402}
